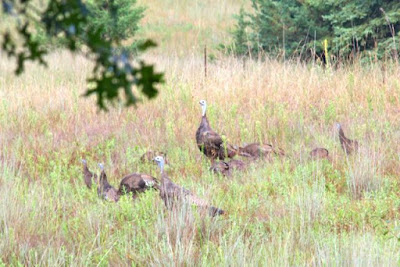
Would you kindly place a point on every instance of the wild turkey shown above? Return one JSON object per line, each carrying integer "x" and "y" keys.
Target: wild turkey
{"x": 226, "y": 168}
{"x": 235, "y": 164}
{"x": 349, "y": 146}
{"x": 88, "y": 176}
{"x": 209, "y": 142}
{"x": 221, "y": 167}
{"x": 137, "y": 183}
{"x": 256, "y": 150}
{"x": 149, "y": 156}
{"x": 320, "y": 153}
{"x": 231, "y": 151}
{"x": 104, "y": 189}
{"x": 172, "y": 193}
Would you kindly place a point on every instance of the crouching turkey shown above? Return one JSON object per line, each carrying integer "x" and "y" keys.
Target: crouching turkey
{"x": 172, "y": 193}
{"x": 136, "y": 183}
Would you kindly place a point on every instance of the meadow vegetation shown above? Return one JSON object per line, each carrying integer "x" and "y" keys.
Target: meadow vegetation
{"x": 292, "y": 211}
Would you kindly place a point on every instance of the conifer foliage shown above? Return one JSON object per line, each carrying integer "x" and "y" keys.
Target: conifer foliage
{"x": 298, "y": 28}
{"x": 117, "y": 20}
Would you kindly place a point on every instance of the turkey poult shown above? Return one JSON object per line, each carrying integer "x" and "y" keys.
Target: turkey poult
{"x": 319, "y": 153}
{"x": 221, "y": 167}
{"x": 208, "y": 141}
{"x": 88, "y": 176}
{"x": 137, "y": 183}
{"x": 257, "y": 150}
{"x": 236, "y": 164}
{"x": 349, "y": 146}
{"x": 172, "y": 193}
{"x": 230, "y": 151}
{"x": 226, "y": 168}
{"x": 104, "y": 189}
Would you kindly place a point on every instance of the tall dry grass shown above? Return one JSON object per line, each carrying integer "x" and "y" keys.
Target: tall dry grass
{"x": 291, "y": 211}
{"x": 184, "y": 27}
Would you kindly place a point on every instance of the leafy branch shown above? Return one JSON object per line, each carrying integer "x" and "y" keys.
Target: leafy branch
{"x": 114, "y": 72}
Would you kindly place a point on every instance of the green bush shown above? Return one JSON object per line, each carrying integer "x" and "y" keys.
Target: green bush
{"x": 117, "y": 20}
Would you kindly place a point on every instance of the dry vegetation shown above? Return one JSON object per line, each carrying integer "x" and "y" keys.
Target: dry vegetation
{"x": 289, "y": 212}
{"x": 183, "y": 27}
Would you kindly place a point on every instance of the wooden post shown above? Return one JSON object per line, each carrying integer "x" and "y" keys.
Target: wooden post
{"x": 205, "y": 62}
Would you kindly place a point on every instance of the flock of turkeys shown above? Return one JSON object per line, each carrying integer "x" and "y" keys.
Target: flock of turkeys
{"x": 212, "y": 145}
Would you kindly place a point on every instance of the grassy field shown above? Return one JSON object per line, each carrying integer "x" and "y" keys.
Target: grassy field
{"x": 184, "y": 27}
{"x": 292, "y": 211}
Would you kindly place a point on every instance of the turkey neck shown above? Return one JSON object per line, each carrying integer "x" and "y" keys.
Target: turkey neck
{"x": 164, "y": 178}
{"x": 204, "y": 122}
{"x": 341, "y": 135}
{"x": 104, "y": 181}
{"x": 85, "y": 167}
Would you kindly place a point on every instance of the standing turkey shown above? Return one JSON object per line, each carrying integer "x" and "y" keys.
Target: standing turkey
{"x": 137, "y": 183}
{"x": 88, "y": 176}
{"x": 172, "y": 193}
{"x": 349, "y": 146}
{"x": 209, "y": 142}
{"x": 104, "y": 189}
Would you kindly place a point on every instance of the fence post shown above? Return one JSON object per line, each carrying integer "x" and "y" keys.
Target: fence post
{"x": 205, "y": 62}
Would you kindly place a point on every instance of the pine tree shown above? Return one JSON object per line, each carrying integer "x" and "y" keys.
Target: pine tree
{"x": 299, "y": 28}
{"x": 117, "y": 19}
{"x": 360, "y": 26}
{"x": 239, "y": 34}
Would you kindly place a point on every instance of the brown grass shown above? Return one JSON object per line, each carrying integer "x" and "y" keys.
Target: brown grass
{"x": 288, "y": 212}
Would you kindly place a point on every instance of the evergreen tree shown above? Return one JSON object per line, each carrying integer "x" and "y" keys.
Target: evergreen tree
{"x": 240, "y": 38}
{"x": 298, "y": 28}
{"x": 360, "y": 26}
{"x": 116, "y": 20}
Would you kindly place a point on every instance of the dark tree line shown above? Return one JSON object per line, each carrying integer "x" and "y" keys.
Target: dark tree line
{"x": 294, "y": 28}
